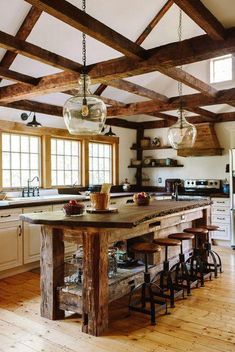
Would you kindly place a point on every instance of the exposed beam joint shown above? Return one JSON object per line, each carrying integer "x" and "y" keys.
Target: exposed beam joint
{"x": 80, "y": 20}
{"x": 34, "y": 52}
{"x": 203, "y": 17}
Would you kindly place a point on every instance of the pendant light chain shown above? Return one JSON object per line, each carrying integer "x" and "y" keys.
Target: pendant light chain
{"x": 180, "y": 85}
{"x": 84, "y": 57}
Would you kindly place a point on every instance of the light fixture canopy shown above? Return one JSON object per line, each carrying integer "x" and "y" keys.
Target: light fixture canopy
{"x": 110, "y": 132}
{"x": 34, "y": 123}
{"x": 84, "y": 113}
{"x": 182, "y": 134}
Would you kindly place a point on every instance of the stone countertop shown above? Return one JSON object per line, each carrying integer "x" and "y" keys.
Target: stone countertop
{"x": 128, "y": 216}
{"x": 34, "y": 201}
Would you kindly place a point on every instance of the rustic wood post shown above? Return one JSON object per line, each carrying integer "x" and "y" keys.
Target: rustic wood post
{"x": 95, "y": 283}
{"x": 52, "y": 271}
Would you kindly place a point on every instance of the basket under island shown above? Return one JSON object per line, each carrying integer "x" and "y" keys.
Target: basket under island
{"x": 96, "y": 232}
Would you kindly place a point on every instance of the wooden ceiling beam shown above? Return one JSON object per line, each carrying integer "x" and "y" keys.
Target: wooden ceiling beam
{"x": 193, "y": 49}
{"x": 22, "y": 34}
{"x": 154, "y": 22}
{"x": 35, "y": 106}
{"x": 136, "y": 89}
{"x": 226, "y": 116}
{"x": 107, "y": 101}
{"x": 192, "y": 100}
{"x": 80, "y": 20}
{"x": 143, "y": 35}
{"x": 17, "y": 76}
{"x": 34, "y": 52}
{"x": 200, "y": 14}
{"x": 189, "y": 80}
{"x": 204, "y": 113}
{"x": 121, "y": 123}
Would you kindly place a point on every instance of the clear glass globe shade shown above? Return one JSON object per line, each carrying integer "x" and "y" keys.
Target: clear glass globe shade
{"x": 182, "y": 134}
{"x": 90, "y": 122}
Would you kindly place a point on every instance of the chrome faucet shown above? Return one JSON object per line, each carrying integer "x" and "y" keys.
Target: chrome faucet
{"x": 31, "y": 190}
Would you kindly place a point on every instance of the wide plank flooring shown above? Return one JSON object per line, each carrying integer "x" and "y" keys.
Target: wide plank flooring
{"x": 204, "y": 322}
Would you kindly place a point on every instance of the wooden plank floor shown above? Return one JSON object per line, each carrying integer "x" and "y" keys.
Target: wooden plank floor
{"x": 204, "y": 322}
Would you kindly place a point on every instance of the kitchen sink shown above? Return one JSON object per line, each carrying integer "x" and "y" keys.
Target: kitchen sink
{"x": 44, "y": 198}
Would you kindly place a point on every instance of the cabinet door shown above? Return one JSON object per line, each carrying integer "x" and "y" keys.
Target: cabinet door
{"x": 32, "y": 235}
{"x": 223, "y": 233}
{"x": 10, "y": 245}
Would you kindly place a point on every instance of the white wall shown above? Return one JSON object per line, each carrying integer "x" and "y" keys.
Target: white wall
{"x": 194, "y": 167}
{"x": 126, "y": 138}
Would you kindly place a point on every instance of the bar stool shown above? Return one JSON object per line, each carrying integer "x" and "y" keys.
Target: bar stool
{"x": 165, "y": 276}
{"x": 146, "y": 287}
{"x": 181, "y": 269}
{"x": 196, "y": 261}
{"x": 216, "y": 260}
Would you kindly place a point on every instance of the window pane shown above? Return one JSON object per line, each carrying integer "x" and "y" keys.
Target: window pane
{"x": 65, "y": 162}
{"x": 6, "y": 178}
{"x": 221, "y": 69}
{"x": 16, "y": 178}
{"x": 15, "y": 161}
{"x": 100, "y": 163}
{"x": 33, "y": 161}
{"x": 24, "y": 177}
{"x": 53, "y": 146}
{"x": 25, "y": 161}
{"x": 19, "y": 164}
{"x": 6, "y": 164}
{"x": 6, "y": 142}
{"x": 60, "y": 147}
{"x": 67, "y": 148}
{"x": 15, "y": 143}
{"x": 34, "y": 147}
{"x": 25, "y": 144}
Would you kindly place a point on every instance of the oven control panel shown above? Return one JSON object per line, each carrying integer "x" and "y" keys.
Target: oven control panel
{"x": 201, "y": 184}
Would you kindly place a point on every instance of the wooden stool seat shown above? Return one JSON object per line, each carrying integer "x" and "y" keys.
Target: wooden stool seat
{"x": 182, "y": 236}
{"x": 196, "y": 230}
{"x": 167, "y": 242}
{"x": 211, "y": 227}
{"x": 145, "y": 247}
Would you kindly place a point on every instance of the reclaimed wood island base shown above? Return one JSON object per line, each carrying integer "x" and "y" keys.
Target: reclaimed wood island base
{"x": 96, "y": 232}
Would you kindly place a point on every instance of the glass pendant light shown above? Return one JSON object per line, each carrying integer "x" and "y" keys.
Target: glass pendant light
{"x": 84, "y": 113}
{"x": 182, "y": 134}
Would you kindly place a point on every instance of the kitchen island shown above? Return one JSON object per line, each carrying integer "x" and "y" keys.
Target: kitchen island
{"x": 96, "y": 232}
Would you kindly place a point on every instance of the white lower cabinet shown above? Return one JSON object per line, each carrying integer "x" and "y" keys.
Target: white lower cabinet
{"x": 32, "y": 235}
{"x": 220, "y": 216}
{"x": 11, "y": 240}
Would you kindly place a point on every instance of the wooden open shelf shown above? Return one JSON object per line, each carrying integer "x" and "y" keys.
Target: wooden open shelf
{"x": 157, "y": 166}
{"x": 152, "y": 148}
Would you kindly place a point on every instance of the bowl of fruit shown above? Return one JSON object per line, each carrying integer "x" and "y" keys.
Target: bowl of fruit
{"x": 74, "y": 208}
{"x": 141, "y": 198}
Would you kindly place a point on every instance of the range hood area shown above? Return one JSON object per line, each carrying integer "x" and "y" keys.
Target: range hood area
{"x": 206, "y": 144}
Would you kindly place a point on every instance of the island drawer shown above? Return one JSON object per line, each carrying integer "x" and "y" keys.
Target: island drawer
{"x": 220, "y": 219}
{"x": 221, "y": 202}
{"x": 223, "y": 233}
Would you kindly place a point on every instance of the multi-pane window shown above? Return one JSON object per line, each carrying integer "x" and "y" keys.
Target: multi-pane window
{"x": 100, "y": 163}
{"x": 20, "y": 159}
{"x": 221, "y": 69}
{"x": 65, "y": 162}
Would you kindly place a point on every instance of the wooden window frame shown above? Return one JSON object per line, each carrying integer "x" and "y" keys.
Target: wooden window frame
{"x": 46, "y": 134}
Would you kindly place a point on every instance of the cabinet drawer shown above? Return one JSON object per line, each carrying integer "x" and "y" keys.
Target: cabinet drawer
{"x": 10, "y": 215}
{"x": 221, "y": 202}
{"x": 223, "y": 233}
{"x": 38, "y": 209}
{"x": 220, "y": 219}
{"x": 220, "y": 210}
